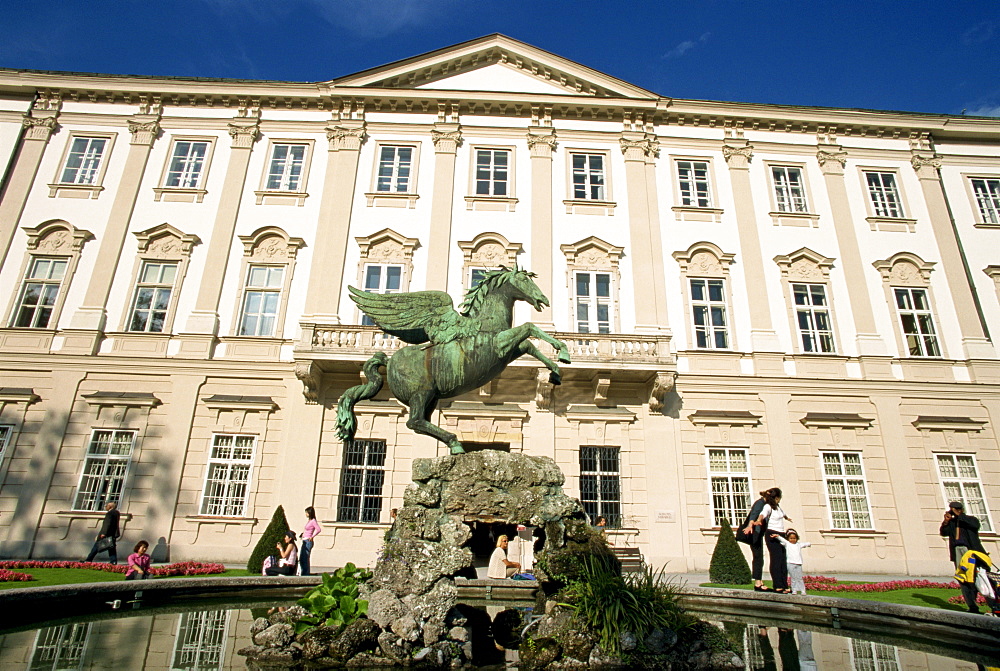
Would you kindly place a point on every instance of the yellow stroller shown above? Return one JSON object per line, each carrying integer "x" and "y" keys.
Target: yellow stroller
{"x": 976, "y": 570}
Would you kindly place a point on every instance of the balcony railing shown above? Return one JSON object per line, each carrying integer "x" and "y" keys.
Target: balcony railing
{"x": 323, "y": 341}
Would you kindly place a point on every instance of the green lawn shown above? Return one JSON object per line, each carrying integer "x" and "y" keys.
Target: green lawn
{"x": 931, "y": 597}
{"x": 44, "y": 577}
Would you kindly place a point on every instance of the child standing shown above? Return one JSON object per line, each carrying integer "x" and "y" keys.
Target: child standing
{"x": 793, "y": 558}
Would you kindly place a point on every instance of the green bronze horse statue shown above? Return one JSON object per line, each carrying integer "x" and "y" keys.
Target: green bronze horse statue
{"x": 451, "y": 351}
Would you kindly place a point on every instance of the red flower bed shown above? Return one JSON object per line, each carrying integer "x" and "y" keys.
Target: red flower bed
{"x": 13, "y": 576}
{"x": 180, "y": 568}
{"x": 827, "y": 584}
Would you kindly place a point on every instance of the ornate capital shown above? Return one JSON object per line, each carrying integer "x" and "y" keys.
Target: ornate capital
{"x": 144, "y": 129}
{"x": 541, "y": 143}
{"x": 832, "y": 162}
{"x": 926, "y": 166}
{"x": 346, "y": 137}
{"x": 446, "y": 137}
{"x": 244, "y": 134}
{"x": 737, "y": 157}
{"x": 663, "y": 383}
{"x": 638, "y": 146}
{"x": 39, "y": 128}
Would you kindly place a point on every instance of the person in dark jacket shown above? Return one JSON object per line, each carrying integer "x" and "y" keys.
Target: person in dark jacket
{"x": 107, "y": 538}
{"x": 962, "y": 532}
{"x": 751, "y": 532}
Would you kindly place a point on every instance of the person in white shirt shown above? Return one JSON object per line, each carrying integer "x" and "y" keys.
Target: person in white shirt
{"x": 500, "y": 567}
{"x": 774, "y": 518}
{"x": 793, "y": 558}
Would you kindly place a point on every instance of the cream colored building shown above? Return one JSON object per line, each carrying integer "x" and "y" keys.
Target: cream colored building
{"x": 752, "y": 294}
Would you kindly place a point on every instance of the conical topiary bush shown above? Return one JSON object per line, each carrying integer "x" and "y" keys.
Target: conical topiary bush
{"x": 273, "y": 534}
{"x": 729, "y": 566}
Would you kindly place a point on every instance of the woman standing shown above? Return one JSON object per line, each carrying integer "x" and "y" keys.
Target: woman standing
{"x": 288, "y": 559}
{"x": 309, "y": 534}
{"x": 751, "y": 532}
{"x": 776, "y": 519}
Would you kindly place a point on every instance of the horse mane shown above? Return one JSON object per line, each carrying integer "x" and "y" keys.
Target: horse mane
{"x": 493, "y": 279}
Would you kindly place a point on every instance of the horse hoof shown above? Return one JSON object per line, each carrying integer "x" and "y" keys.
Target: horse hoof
{"x": 555, "y": 378}
{"x": 456, "y": 447}
{"x": 564, "y": 357}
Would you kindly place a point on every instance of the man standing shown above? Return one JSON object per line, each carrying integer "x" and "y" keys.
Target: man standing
{"x": 107, "y": 539}
{"x": 962, "y": 532}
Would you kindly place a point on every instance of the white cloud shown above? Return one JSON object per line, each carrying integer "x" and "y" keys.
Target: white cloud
{"x": 984, "y": 110}
{"x": 686, "y": 46}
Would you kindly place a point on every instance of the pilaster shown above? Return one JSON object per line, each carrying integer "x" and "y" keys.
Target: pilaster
{"x": 447, "y": 136}
{"x": 203, "y": 323}
{"x": 39, "y": 124}
{"x": 541, "y": 144}
{"x": 303, "y": 437}
{"x": 87, "y": 324}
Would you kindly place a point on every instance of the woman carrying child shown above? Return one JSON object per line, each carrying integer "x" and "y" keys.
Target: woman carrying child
{"x": 793, "y": 558}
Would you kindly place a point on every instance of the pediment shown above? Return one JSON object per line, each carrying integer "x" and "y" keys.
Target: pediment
{"x": 495, "y": 63}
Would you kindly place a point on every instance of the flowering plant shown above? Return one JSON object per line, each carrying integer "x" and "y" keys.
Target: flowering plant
{"x": 13, "y": 576}
{"x": 827, "y": 584}
{"x": 181, "y": 568}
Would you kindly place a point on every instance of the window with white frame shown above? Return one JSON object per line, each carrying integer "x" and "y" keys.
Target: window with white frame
{"x": 917, "y": 321}
{"x": 708, "y": 309}
{"x": 812, "y": 315}
{"x": 187, "y": 164}
{"x": 987, "y": 192}
{"x": 152, "y": 296}
{"x": 382, "y": 279}
{"x": 261, "y": 300}
{"x": 476, "y": 275}
{"x": 105, "y": 467}
{"x": 39, "y": 292}
{"x": 60, "y": 648}
{"x": 789, "y": 189}
{"x": 729, "y": 473}
{"x": 870, "y": 656}
{"x": 492, "y": 172}
{"x": 227, "y": 481}
{"x": 83, "y": 160}
{"x": 600, "y": 483}
{"x": 884, "y": 194}
{"x": 589, "y": 180}
{"x": 693, "y": 184}
{"x": 200, "y": 643}
{"x": 6, "y": 431}
{"x": 846, "y": 490}
{"x": 960, "y": 481}
{"x": 361, "y": 481}
{"x": 284, "y": 171}
{"x": 395, "y": 167}
{"x": 593, "y": 302}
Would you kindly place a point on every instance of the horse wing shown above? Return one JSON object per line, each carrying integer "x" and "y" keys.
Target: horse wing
{"x": 416, "y": 317}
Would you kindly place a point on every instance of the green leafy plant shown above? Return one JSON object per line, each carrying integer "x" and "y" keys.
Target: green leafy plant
{"x": 728, "y": 566}
{"x": 273, "y": 534}
{"x": 334, "y": 602}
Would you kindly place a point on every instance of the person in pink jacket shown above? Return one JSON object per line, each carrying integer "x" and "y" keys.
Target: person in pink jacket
{"x": 138, "y": 562}
{"x": 308, "y": 537}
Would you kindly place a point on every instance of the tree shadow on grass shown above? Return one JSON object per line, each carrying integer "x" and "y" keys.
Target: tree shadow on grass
{"x": 936, "y": 602}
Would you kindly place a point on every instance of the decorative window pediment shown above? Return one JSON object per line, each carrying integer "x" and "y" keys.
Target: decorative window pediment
{"x": 271, "y": 244}
{"x": 57, "y": 237}
{"x": 805, "y": 265}
{"x": 905, "y": 269}
{"x": 704, "y": 259}
{"x": 387, "y": 246}
{"x": 165, "y": 242}
{"x": 592, "y": 254}
{"x": 490, "y": 250}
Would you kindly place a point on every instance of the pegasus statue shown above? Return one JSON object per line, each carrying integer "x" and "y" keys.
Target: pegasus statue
{"x": 451, "y": 351}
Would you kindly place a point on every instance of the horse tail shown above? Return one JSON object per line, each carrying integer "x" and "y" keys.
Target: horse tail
{"x": 347, "y": 423}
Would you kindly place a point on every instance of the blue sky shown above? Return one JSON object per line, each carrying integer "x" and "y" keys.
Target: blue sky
{"x": 912, "y": 55}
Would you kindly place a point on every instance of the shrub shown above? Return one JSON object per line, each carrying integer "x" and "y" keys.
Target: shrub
{"x": 273, "y": 534}
{"x": 729, "y": 566}
{"x": 334, "y": 602}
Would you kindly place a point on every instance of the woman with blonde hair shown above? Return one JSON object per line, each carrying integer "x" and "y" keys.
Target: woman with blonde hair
{"x": 500, "y": 566}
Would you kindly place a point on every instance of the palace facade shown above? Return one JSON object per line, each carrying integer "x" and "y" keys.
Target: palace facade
{"x": 753, "y": 295}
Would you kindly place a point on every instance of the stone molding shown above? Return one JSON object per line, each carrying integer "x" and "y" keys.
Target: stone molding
{"x": 906, "y": 270}
{"x": 271, "y": 244}
{"x": 925, "y": 166}
{"x": 163, "y": 241}
{"x": 592, "y": 254}
{"x": 805, "y": 265}
{"x": 662, "y": 383}
{"x": 39, "y": 127}
{"x": 704, "y": 259}
{"x": 738, "y": 157}
{"x": 124, "y": 399}
{"x": 724, "y": 417}
{"x": 447, "y": 138}
{"x": 489, "y": 250}
{"x": 57, "y": 237}
{"x": 346, "y": 137}
{"x": 144, "y": 128}
{"x": 638, "y": 146}
{"x": 544, "y": 389}
{"x": 311, "y": 376}
{"x": 941, "y": 423}
{"x": 541, "y": 141}
{"x": 244, "y": 134}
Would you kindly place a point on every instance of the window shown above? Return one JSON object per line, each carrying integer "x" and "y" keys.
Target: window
{"x": 588, "y": 176}
{"x": 884, "y": 194}
{"x": 692, "y": 180}
{"x": 83, "y": 161}
{"x": 708, "y": 306}
{"x": 152, "y": 296}
{"x": 960, "y": 480}
{"x": 381, "y": 279}
{"x": 395, "y": 165}
{"x": 201, "y": 639}
{"x": 104, "y": 469}
{"x": 730, "y": 479}
{"x": 869, "y": 656}
{"x": 492, "y": 170}
{"x": 846, "y": 490}
{"x": 261, "y": 298}
{"x": 987, "y": 193}
{"x": 917, "y": 321}
{"x": 476, "y": 275}
{"x": 812, "y": 314}
{"x": 228, "y": 479}
{"x": 789, "y": 191}
{"x": 285, "y": 169}
{"x": 187, "y": 163}
{"x": 593, "y": 302}
{"x": 59, "y": 648}
{"x": 6, "y": 431}
{"x": 600, "y": 487}
{"x": 361, "y": 481}
{"x": 39, "y": 292}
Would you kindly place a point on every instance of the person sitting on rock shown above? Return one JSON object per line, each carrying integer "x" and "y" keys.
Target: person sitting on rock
{"x": 500, "y": 566}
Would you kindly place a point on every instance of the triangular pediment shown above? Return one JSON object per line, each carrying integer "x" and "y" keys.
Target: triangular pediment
{"x": 495, "y": 63}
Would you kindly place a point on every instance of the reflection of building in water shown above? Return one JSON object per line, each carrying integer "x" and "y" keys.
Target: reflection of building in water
{"x": 869, "y": 656}
{"x": 60, "y": 648}
{"x": 201, "y": 639}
